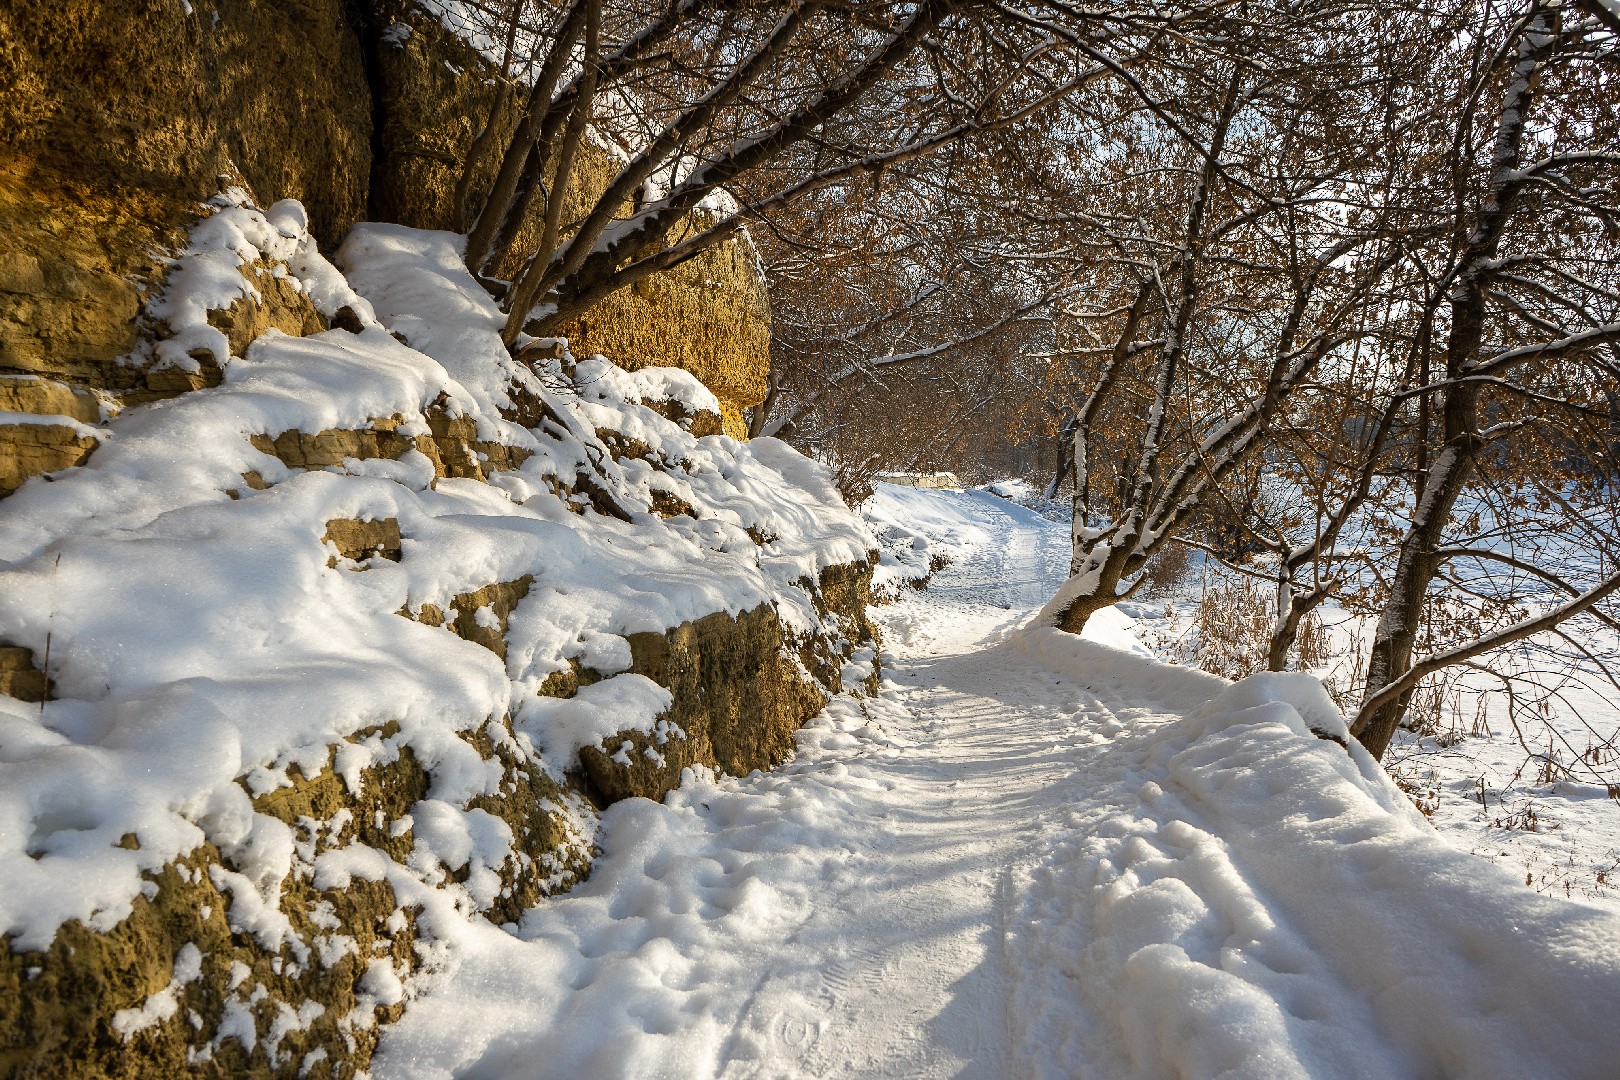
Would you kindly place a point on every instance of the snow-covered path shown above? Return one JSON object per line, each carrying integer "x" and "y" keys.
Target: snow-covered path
{"x": 1030, "y": 856}
{"x": 922, "y": 987}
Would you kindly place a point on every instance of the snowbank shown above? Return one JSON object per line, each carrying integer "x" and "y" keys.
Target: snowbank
{"x": 1274, "y": 900}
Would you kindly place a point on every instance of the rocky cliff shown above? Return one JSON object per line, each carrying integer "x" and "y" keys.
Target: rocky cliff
{"x": 350, "y": 635}
{"x": 325, "y": 623}
{"x": 119, "y": 117}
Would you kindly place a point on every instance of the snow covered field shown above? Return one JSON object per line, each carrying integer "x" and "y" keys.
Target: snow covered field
{"x": 1030, "y": 856}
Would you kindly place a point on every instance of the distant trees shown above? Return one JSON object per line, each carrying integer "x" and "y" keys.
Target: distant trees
{"x": 1373, "y": 257}
{"x": 902, "y": 313}
{"x": 732, "y": 111}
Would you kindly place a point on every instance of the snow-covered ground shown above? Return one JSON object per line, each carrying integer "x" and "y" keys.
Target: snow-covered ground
{"x": 1031, "y": 855}
{"x": 205, "y": 641}
{"x": 1528, "y": 779}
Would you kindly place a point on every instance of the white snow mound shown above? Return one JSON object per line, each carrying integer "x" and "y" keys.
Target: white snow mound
{"x": 1276, "y": 907}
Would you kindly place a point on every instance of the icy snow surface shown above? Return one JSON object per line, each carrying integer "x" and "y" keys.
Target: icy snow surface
{"x": 1031, "y": 856}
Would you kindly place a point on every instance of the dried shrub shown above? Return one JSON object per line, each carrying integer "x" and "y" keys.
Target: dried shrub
{"x": 1233, "y": 629}
{"x": 1421, "y": 786}
{"x": 1168, "y": 569}
{"x": 1437, "y": 709}
{"x": 854, "y": 479}
{"x": 1314, "y": 645}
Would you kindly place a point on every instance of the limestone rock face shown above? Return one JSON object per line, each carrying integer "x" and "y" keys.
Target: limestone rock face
{"x": 32, "y": 448}
{"x": 273, "y": 303}
{"x": 738, "y": 696}
{"x": 118, "y": 117}
{"x": 74, "y": 264}
{"x": 47, "y": 397}
{"x": 20, "y": 676}
{"x": 43, "y": 427}
{"x": 154, "y": 100}
{"x": 709, "y": 316}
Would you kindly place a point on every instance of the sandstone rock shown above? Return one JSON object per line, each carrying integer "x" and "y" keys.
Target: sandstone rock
{"x": 47, "y": 397}
{"x": 162, "y": 98}
{"x": 66, "y": 1001}
{"x": 451, "y": 446}
{"x": 737, "y": 702}
{"x": 20, "y": 676}
{"x": 358, "y": 541}
{"x": 709, "y": 316}
{"x": 462, "y": 617}
{"x": 281, "y": 305}
{"x": 29, "y": 449}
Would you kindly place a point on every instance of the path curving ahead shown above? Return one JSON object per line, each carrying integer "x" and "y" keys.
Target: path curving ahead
{"x": 1030, "y": 856}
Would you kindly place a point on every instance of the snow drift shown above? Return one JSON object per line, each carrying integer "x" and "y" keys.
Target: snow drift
{"x": 1263, "y": 902}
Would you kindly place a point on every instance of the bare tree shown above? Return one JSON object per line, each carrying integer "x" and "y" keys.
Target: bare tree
{"x": 1214, "y": 315}
{"x": 730, "y": 112}
{"x": 1527, "y": 290}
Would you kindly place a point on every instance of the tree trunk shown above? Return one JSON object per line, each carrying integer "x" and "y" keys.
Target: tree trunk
{"x": 1453, "y": 464}
{"x": 1103, "y": 567}
{"x": 1289, "y": 615}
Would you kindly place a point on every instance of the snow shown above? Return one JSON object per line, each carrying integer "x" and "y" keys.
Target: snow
{"x": 200, "y": 645}
{"x": 163, "y": 1004}
{"x": 1031, "y": 855}
{"x": 561, "y": 727}
{"x": 599, "y": 380}
{"x": 921, "y": 530}
{"x": 1522, "y": 779}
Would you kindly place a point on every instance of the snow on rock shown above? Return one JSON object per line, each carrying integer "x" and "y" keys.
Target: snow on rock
{"x": 601, "y": 381}
{"x": 163, "y": 1004}
{"x": 208, "y": 276}
{"x": 213, "y": 647}
{"x": 643, "y": 970}
{"x": 561, "y": 727}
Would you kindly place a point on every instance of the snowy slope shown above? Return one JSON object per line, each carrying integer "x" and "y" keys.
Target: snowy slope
{"x": 1032, "y": 856}
{"x": 1516, "y": 759}
{"x": 208, "y": 644}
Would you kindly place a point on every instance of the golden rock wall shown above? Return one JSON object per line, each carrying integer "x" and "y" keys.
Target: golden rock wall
{"x": 119, "y": 117}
